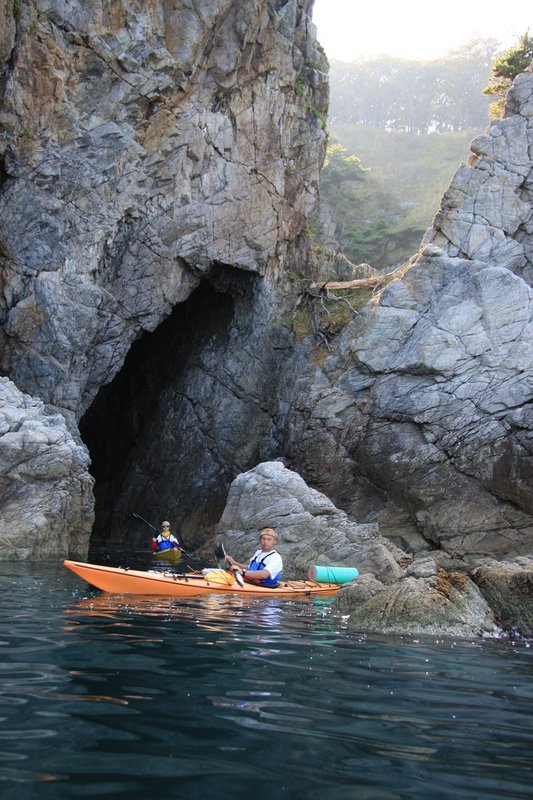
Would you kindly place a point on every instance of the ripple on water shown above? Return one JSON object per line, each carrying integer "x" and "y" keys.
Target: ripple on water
{"x": 125, "y": 696}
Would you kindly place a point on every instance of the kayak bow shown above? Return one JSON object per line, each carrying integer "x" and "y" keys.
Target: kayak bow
{"x": 119, "y": 580}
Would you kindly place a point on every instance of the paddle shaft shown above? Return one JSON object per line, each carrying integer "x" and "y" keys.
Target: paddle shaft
{"x": 220, "y": 555}
{"x": 138, "y": 516}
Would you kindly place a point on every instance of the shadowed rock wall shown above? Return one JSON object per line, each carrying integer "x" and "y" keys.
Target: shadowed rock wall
{"x": 192, "y": 407}
{"x": 144, "y": 145}
{"x": 158, "y": 162}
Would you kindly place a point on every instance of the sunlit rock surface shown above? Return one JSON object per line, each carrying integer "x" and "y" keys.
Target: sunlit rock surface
{"x": 441, "y": 605}
{"x": 45, "y": 490}
{"x": 423, "y": 411}
{"x": 311, "y": 530}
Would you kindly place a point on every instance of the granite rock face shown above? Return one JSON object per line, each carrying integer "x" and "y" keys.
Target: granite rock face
{"x": 508, "y": 589}
{"x": 441, "y": 605}
{"x": 423, "y": 411}
{"x": 144, "y": 144}
{"x": 158, "y": 163}
{"x": 392, "y": 594}
{"x": 310, "y": 528}
{"x": 45, "y": 489}
{"x": 147, "y": 148}
{"x": 485, "y": 214}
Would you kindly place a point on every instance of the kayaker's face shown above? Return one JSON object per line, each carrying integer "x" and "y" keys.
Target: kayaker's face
{"x": 267, "y": 541}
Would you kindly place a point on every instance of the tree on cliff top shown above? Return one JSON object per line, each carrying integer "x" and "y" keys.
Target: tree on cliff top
{"x": 340, "y": 166}
{"x": 418, "y": 97}
{"x": 505, "y": 69}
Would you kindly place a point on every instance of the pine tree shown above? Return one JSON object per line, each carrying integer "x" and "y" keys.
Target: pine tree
{"x": 505, "y": 69}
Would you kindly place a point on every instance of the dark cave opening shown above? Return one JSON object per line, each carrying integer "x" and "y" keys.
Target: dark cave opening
{"x": 146, "y": 455}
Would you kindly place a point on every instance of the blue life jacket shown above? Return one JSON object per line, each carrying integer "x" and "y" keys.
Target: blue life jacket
{"x": 162, "y": 543}
{"x": 273, "y": 581}
{"x": 164, "y": 546}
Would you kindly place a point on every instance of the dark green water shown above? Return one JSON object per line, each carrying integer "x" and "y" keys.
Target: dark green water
{"x": 123, "y": 697}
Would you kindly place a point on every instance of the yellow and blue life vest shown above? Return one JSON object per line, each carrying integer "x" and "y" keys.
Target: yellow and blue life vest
{"x": 260, "y": 564}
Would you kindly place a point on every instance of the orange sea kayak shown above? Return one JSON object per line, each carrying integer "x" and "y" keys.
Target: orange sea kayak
{"x": 119, "y": 580}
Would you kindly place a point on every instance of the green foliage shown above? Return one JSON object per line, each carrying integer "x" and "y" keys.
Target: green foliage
{"x": 303, "y": 88}
{"x": 505, "y": 69}
{"x": 340, "y": 166}
{"x": 315, "y": 113}
{"x": 418, "y": 97}
{"x": 323, "y": 317}
{"x": 382, "y": 202}
{"x": 299, "y": 86}
{"x": 408, "y": 126}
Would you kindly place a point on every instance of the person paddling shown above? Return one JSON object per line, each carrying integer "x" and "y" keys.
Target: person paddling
{"x": 165, "y": 540}
{"x": 266, "y": 564}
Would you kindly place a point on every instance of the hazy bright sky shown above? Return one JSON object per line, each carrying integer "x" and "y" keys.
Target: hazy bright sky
{"x": 418, "y": 29}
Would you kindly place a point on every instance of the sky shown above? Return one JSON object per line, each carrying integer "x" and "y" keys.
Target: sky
{"x": 415, "y": 29}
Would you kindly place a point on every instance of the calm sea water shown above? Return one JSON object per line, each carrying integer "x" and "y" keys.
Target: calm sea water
{"x": 125, "y": 697}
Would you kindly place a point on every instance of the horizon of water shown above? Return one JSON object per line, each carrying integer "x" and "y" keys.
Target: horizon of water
{"x": 126, "y": 697}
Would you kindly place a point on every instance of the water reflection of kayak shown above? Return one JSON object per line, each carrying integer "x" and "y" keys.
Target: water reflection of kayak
{"x": 130, "y": 581}
{"x": 172, "y": 555}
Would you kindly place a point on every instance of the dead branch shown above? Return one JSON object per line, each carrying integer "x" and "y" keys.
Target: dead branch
{"x": 376, "y": 281}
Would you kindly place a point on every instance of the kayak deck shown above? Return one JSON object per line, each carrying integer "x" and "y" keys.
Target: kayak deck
{"x": 120, "y": 580}
{"x": 172, "y": 555}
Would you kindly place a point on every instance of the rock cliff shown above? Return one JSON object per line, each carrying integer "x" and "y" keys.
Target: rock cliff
{"x": 425, "y": 405}
{"x": 147, "y": 147}
{"x": 158, "y": 163}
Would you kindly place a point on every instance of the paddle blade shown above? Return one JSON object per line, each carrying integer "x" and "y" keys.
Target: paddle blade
{"x": 218, "y": 550}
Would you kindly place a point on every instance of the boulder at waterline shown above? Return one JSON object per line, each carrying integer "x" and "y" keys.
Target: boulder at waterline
{"x": 311, "y": 529}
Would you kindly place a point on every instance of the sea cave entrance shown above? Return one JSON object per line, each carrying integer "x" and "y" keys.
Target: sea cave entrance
{"x": 191, "y": 407}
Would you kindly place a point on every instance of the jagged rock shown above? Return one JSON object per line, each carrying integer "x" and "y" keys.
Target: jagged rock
{"x": 357, "y": 593}
{"x": 487, "y": 208}
{"x": 146, "y": 150}
{"x": 425, "y": 400}
{"x": 147, "y": 154}
{"x": 45, "y": 491}
{"x": 441, "y": 605}
{"x": 311, "y": 530}
{"x": 142, "y": 149}
{"x": 422, "y": 568}
{"x": 508, "y": 588}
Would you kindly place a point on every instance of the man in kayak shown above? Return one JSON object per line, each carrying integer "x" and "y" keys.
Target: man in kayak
{"x": 165, "y": 540}
{"x": 266, "y": 564}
